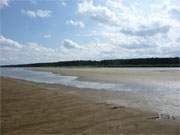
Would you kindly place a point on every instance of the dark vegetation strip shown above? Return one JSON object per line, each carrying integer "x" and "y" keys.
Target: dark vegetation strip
{"x": 139, "y": 62}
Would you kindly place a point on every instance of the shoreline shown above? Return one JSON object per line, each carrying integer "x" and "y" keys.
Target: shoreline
{"x": 147, "y": 78}
{"x": 117, "y": 95}
{"x": 138, "y": 91}
{"x": 47, "y": 103}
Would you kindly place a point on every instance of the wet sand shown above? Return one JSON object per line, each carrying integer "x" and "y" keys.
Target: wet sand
{"x": 152, "y": 89}
{"x": 119, "y": 75}
{"x": 31, "y": 108}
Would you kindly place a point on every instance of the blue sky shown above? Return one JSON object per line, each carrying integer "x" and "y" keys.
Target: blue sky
{"x": 55, "y": 30}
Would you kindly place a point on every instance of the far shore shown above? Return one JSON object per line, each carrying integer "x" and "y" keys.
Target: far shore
{"x": 32, "y": 108}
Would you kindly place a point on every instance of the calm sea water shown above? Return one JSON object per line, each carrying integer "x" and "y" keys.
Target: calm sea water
{"x": 160, "y": 97}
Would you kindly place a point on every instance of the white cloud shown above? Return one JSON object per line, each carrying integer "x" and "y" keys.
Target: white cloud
{"x": 122, "y": 29}
{"x": 115, "y": 29}
{"x": 47, "y": 36}
{"x": 99, "y": 13}
{"x": 75, "y": 23}
{"x": 13, "y": 52}
{"x": 6, "y": 42}
{"x": 147, "y": 31}
{"x": 63, "y": 2}
{"x": 4, "y": 3}
{"x": 137, "y": 28}
{"x": 132, "y": 14}
{"x": 175, "y": 13}
{"x": 69, "y": 44}
{"x": 37, "y": 13}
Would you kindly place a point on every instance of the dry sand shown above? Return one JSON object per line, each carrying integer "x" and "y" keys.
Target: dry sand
{"x": 32, "y": 109}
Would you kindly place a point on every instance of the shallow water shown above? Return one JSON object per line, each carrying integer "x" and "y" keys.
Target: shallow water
{"x": 161, "y": 95}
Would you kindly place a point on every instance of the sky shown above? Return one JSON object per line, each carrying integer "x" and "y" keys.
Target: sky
{"x": 34, "y": 31}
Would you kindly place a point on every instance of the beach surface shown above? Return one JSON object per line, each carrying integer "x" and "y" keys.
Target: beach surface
{"x": 34, "y": 108}
{"x": 152, "y": 89}
{"x": 119, "y": 75}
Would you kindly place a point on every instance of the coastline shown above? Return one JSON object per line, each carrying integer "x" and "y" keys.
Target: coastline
{"x": 150, "y": 89}
{"x": 32, "y": 108}
{"x": 118, "y": 74}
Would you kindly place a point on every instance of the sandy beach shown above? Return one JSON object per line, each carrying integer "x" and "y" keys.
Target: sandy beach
{"x": 117, "y": 74}
{"x": 90, "y": 67}
{"x": 151, "y": 89}
{"x": 32, "y": 108}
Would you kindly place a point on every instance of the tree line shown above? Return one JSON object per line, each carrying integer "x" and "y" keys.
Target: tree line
{"x": 138, "y": 62}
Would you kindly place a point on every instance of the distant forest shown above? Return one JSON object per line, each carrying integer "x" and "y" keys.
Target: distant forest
{"x": 138, "y": 62}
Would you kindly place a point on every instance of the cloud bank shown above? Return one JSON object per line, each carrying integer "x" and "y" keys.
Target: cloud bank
{"x": 13, "y": 52}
